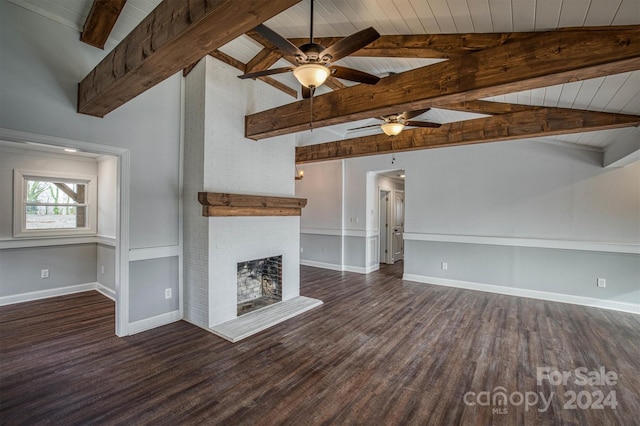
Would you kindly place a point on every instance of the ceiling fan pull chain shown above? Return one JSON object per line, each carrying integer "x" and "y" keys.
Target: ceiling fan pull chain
{"x": 313, "y": 89}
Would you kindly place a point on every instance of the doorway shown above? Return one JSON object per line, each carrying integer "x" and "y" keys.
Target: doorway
{"x": 390, "y": 215}
{"x": 121, "y": 176}
{"x": 384, "y": 208}
{"x": 397, "y": 244}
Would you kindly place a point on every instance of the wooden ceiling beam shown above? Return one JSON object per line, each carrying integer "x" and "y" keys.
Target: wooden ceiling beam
{"x": 173, "y": 36}
{"x": 532, "y": 123}
{"x": 436, "y": 46}
{"x": 547, "y": 59}
{"x": 263, "y": 60}
{"x": 486, "y": 107}
{"x": 100, "y": 22}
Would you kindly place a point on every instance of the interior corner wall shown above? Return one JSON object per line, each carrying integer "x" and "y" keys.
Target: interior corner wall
{"x": 107, "y": 196}
{"x": 321, "y": 237}
{"x": 196, "y": 227}
{"x": 42, "y": 63}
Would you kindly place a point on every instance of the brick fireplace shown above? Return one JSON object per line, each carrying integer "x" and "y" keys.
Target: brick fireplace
{"x": 259, "y": 283}
{"x": 224, "y": 227}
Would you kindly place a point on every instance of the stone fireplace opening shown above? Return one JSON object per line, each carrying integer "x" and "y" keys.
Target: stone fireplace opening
{"x": 259, "y": 283}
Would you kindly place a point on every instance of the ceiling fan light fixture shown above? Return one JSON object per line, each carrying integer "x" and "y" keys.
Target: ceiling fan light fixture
{"x": 311, "y": 75}
{"x": 392, "y": 128}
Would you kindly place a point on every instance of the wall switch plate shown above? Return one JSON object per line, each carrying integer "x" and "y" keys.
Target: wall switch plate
{"x": 445, "y": 266}
{"x": 102, "y": 269}
{"x": 167, "y": 293}
{"x": 44, "y": 273}
{"x": 602, "y": 282}
{"x": 301, "y": 249}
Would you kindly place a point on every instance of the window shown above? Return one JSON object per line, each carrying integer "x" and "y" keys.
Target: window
{"x": 53, "y": 205}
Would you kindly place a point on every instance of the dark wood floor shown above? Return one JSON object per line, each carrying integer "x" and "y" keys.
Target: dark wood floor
{"x": 379, "y": 351}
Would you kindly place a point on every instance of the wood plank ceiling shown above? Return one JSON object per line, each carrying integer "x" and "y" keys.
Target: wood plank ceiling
{"x": 616, "y": 91}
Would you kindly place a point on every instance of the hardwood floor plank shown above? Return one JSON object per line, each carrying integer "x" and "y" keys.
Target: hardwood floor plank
{"x": 379, "y": 351}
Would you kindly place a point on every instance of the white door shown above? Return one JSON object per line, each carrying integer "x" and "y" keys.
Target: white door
{"x": 384, "y": 225}
{"x": 398, "y": 227}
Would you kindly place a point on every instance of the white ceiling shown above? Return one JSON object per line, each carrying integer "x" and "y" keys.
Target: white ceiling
{"x": 616, "y": 94}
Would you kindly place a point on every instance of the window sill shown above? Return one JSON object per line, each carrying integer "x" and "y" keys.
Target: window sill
{"x": 11, "y": 243}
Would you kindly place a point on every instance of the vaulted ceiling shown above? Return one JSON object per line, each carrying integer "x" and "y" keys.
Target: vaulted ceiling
{"x": 594, "y": 71}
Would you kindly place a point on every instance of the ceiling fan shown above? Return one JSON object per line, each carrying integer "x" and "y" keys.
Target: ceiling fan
{"x": 394, "y": 123}
{"x": 313, "y": 60}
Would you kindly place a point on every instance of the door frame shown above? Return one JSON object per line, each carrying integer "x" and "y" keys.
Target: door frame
{"x": 123, "y": 185}
{"x": 388, "y": 257}
{"x": 395, "y": 210}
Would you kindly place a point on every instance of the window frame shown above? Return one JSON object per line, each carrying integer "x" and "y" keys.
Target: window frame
{"x": 20, "y": 178}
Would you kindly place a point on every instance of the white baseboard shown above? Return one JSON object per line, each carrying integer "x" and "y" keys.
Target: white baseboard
{"x": 361, "y": 269}
{"x": 45, "y": 294}
{"x": 153, "y": 322}
{"x": 336, "y": 267}
{"x": 532, "y": 294}
{"x": 106, "y": 291}
{"x": 323, "y": 265}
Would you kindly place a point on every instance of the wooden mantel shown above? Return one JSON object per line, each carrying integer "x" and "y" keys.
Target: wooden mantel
{"x": 216, "y": 204}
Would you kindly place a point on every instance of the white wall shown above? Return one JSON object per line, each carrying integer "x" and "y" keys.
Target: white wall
{"x": 107, "y": 196}
{"x": 321, "y": 221}
{"x": 41, "y": 65}
{"x": 547, "y": 205}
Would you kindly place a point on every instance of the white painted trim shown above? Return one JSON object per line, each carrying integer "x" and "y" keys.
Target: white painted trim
{"x": 53, "y": 292}
{"x": 361, "y": 269}
{"x": 362, "y": 233}
{"x": 322, "y": 231}
{"x": 153, "y": 253}
{"x": 153, "y": 322}
{"x": 106, "y": 241}
{"x": 181, "y": 199}
{"x": 27, "y": 137}
{"x": 106, "y": 291}
{"x": 20, "y": 230}
{"x": 526, "y": 242}
{"x": 45, "y": 242}
{"x": 532, "y": 294}
{"x": 122, "y": 247}
{"x": 323, "y": 265}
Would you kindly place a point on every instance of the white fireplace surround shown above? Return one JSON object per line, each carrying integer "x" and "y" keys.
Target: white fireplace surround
{"x": 235, "y": 239}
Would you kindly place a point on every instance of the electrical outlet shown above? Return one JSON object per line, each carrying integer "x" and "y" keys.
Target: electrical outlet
{"x": 301, "y": 249}
{"x": 602, "y": 282}
{"x": 167, "y": 293}
{"x": 445, "y": 266}
{"x": 102, "y": 269}
{"x": 44, "y": 273}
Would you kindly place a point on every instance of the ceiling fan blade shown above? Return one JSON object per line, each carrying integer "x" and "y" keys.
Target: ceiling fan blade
{"x": 350, "y": 44}
{"x": 422, "y": 124}
{"x": 265, "y": 72}
{"x": 408, "y": 115}
{"x": 353, "y": 75}
{"x": 306, "y": 92}
{"x": 284, "y": 45}
{"x": 364, "y": 127}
